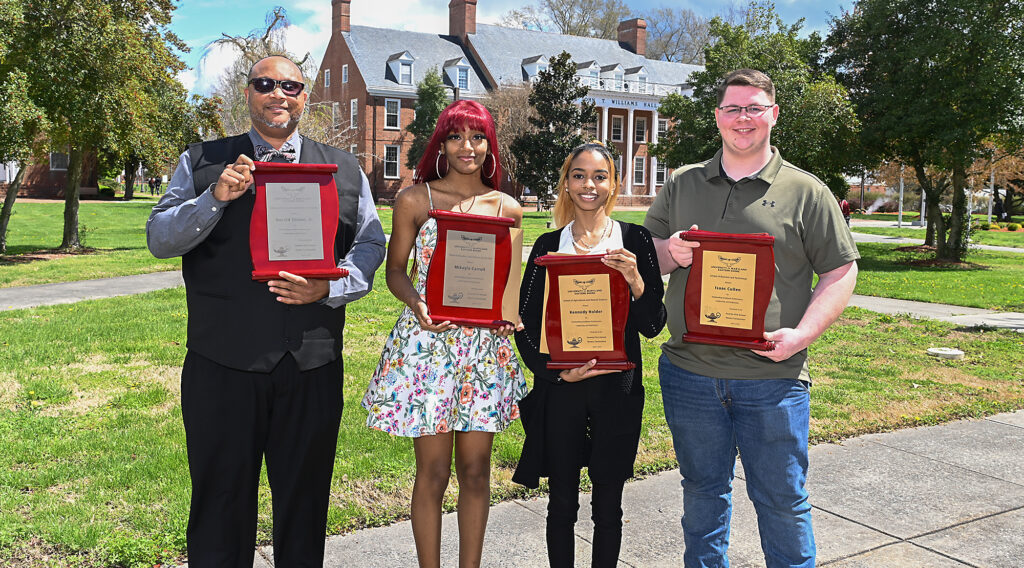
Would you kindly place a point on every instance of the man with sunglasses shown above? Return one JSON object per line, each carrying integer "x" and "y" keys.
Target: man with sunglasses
{"x": 262, "y": 376}
{"x": 720, "y": 401}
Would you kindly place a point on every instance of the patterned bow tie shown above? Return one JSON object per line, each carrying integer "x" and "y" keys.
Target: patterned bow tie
{"x": 266, "y": 154}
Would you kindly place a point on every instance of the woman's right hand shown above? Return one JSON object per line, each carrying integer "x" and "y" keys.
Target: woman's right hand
{"x": 585, "y": 372}
{"x": 419, "y": 309}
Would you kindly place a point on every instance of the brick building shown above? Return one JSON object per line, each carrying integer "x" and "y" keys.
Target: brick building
{"x": 47, "y": 178}
{"x": 369, "y": 75}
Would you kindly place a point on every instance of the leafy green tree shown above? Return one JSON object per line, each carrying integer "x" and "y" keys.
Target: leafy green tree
{"x": 89, "y": 64}
{"x": 932, "y": 82}
{"x": 817, "y": 126}
{"x": 23, "y": 122}
{"x": 561, "y": 114}
{"x": 431, "y": 98}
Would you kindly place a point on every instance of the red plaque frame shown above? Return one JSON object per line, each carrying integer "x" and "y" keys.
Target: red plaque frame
{"x": 471, "y": 317}
{"x": 264, "y": 268}
{"x": 758, "y": 244}
{"x": 564, "y": 265}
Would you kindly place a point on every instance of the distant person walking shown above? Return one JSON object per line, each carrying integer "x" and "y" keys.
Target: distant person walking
{"x": 844, "y": 206}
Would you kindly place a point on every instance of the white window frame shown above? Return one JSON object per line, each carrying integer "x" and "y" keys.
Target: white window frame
{"x": 56, "y": 167}
{"x": 397, "y": 115}
{"x": 344, "y": 73}
{"x": 595, "y": 78}
{"x": 662, "y": 122}
{"x": 660, "y": 174}
{"x": 353, "y": 113}
{"x": 640, "y": 128}
{"x": 398, "y": 153}
{"x": 335, "y": 113}
{"x": 402, "y": 66}
{"x": 327, "y": 78}
{"x": 640, "y": 161}
{"x": 463, "y": 77}
{"x": 353, "y": 149}
{"x": 619, "y": 81}
{"x": 617, "y": 118}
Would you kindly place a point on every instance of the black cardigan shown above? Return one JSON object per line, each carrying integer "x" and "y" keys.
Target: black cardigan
{"x": 646, "y": 314}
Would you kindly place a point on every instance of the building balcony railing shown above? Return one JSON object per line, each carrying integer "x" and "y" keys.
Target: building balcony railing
{"x": 635, "y": 87}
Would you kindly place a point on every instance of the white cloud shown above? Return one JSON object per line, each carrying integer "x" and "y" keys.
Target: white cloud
{"x": 187, "y": 78}
{"x": 213, "y": 65}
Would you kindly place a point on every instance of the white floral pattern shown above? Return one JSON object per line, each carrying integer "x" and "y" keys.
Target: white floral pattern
{"x": 466, "y": 379}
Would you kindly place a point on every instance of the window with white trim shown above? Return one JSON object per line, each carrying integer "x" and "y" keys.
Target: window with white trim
{"x": 463, "y": 78}
{"x": 392, "y": 110}
{"x": 660, "y": 173}
{"x": 639, "y": 169}
{"x": 390, "y": 162}
{"x": 58, "y": 161}
{"x": 335, "y": 114}
{"x": 595, "y": 79}
{"x": 353, "y": 149}
{"x": 640, "y": 130}
{"x": 405, "y": 76}
{"x": 616, "y": 129}
{"x": 327, "y": 77}
{"x": 344, "y": 73}
{"x": 353, "y": 113}
{"x": 618, "y": 81}
{"x": 662, "y": 127}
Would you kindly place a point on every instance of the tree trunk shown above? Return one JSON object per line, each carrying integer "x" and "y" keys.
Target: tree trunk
{"x": 131, "y": 167}
{"x": 932, "y": 195}
{"x": 959, "y": 219}
{"x": 71, "y": 242}
{"x": 12, "y": 194}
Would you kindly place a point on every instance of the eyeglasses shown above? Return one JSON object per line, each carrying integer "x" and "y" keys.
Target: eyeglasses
{"x": 267, "y": 85}
{"x": 733, "y": 111}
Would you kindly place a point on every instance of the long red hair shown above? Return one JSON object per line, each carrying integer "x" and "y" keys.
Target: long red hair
{"x": 455, "y": 117}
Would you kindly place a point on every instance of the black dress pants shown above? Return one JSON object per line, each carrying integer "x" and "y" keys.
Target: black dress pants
{"x": 233, "y": 420}
{"x": 591, "y": 423}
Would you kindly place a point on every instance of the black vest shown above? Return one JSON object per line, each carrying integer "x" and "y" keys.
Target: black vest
{"x": 235, "y": 321}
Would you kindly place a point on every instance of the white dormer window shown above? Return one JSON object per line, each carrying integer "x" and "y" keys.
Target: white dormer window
{"x": 636, "y": 79}
{"x": 595, "y": 78}
{"x": 534, "y": 65}
{"x": 612, "y": 77}
{"x": 456, "y": 73}
{"x": 400, "y": 66}
{"x": 327, "y": 77}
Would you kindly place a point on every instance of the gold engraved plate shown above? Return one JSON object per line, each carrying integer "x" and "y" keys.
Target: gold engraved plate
{"x": 586, "y": 310}
{"x": 727, "y": 289}
{"x": 469, "y": 270}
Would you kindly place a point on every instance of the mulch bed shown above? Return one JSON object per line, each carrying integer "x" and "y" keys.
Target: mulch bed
{"x": 933, "y": 262}
{"x": 50, "y": 254}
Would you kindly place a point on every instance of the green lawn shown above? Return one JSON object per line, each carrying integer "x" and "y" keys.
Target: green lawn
{"x": 115, "y": 229}
{"x": 92, "y": 460}
{"x": 995, "y": 238}
{"x": 995, "y": 280}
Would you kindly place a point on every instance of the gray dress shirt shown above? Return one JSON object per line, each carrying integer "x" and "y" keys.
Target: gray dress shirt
{"x": 181, "y": 220}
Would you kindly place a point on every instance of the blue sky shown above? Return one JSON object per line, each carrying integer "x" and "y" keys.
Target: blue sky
{"x": 199, "y": 22}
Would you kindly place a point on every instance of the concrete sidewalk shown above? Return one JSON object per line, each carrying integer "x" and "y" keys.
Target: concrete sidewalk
{"x": 938, "y": 497}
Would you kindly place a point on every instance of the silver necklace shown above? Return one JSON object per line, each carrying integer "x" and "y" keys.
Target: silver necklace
{"x": 581, "y": 245}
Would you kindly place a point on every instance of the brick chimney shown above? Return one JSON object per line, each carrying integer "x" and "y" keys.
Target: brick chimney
{"x": 633, "y": 35}
{"x": 341, "y": 15}
{"x": 461, "y": 18}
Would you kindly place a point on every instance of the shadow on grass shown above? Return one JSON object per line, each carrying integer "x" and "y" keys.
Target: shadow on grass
{"x": 913, "y": 259}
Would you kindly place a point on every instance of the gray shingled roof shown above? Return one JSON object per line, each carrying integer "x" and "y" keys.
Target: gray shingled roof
{"x": 371, "y": 48}
{"x": 502, "y": 49}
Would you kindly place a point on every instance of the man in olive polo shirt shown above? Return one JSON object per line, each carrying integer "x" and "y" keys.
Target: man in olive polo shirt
{"x": 720, "y": 400}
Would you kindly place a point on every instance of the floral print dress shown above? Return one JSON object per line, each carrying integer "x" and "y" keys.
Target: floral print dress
{"x": 462, "y": 380}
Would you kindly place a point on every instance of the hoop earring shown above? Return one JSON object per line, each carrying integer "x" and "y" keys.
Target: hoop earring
{"x": 437, "y": 164}
{"x": 494, "y": 165}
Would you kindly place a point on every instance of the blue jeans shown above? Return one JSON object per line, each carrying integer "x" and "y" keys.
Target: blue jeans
{"x": 767, "y": 422}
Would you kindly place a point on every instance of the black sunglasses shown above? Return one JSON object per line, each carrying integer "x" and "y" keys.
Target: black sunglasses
{"x": 267, "y": 85}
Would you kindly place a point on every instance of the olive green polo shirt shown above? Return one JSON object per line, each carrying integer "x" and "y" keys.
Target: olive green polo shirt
{"x": 782, "y": 200}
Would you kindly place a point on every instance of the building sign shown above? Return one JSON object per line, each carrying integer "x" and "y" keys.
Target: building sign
{"x": 619, "y": 102}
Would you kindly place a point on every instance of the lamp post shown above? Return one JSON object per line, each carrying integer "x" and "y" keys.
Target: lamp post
{"x": 899, "y": 218}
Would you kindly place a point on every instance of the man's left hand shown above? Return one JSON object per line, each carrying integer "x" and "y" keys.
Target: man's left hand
{"x": 788, "y": 342}
{"x": 297, "y": 290}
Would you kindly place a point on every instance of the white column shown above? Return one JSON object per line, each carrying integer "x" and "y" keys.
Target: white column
{"x": 627, "y": 160}
{"x": 604, "y": 125}
{"x": 651, "y": 159}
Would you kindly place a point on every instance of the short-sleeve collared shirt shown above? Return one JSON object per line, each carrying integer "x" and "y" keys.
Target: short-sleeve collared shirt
{"x": 811, "y": 237}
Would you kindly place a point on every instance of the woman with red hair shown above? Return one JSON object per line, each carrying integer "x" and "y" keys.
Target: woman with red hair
{"x": 448, "y": 388}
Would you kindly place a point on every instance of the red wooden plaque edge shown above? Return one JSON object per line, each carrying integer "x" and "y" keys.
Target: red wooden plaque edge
{"x": 265, "y": 269}
{"x": 470, "y": 317}
{"x": 565, "y": 265}
{"x": 759, "y": 244}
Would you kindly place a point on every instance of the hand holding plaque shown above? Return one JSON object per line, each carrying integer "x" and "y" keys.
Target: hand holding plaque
{"x": 473, "y": 278}
{"x": 585, "y": 313}
{"x": 294, "y": 221}
{"x": 728, "y": 289}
